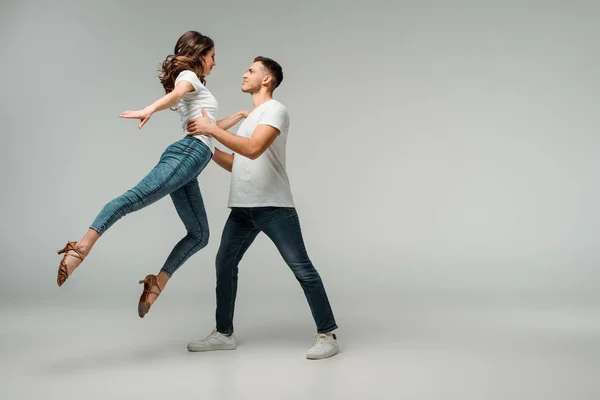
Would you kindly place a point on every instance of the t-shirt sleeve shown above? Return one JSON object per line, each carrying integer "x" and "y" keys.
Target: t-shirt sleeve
{"x": 191, "y": 77}
{"x": 276, "y": 117}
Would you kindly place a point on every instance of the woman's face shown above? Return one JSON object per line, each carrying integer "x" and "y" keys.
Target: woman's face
{"x": 209, "y": 61}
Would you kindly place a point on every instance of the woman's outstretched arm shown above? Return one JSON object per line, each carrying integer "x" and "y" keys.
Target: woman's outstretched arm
{"x": 167, "y": 101}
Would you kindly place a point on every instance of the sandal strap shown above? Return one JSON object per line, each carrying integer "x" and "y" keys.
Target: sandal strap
{"x": 72, "y": 246}
{"x": 62, "y": 269}
{"x": 151, "y": 283}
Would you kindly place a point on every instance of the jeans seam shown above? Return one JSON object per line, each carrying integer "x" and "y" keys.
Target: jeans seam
{"x": 230, "y": 315}
{"x": 164, "y": 182}
{"x": 292, "y": 221}
{"x": 179, "y": 261}
{"x": 201, "y": 229}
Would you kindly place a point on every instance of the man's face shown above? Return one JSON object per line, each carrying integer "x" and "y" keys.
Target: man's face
{"x": 253, "y": 79}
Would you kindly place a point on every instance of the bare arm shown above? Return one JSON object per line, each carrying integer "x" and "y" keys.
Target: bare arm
{"x": 224, "y": 160}
{"x": 262, "y": 137}
{"x": 227, "y": 123}
{"x": 167, "y": 101}
{"x": 171, "y": 99}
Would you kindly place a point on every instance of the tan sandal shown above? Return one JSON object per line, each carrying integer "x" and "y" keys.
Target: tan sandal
{"x": 150, "y": 282}
{"x": 63, "y": 274}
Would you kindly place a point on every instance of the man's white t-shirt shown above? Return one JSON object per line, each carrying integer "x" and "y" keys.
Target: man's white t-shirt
{"x": 191, "y": 104}
{"x": 262, "y": 182}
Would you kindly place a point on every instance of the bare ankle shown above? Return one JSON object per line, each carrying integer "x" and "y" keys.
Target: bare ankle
{"x": 84, "y": 248}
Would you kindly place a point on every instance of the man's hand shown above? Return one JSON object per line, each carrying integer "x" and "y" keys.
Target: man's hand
{"x": 200, "y": 126}
{"x": 245, "y": 114}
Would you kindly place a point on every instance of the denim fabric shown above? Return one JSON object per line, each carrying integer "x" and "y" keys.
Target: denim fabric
{"x": 176, "y": 175}
{"x": 282, "y": 226}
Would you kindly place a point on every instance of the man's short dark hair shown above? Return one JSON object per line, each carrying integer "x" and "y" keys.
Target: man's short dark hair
{"x": 272, "y": 68}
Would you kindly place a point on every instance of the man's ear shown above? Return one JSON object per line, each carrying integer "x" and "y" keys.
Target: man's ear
{"x": 267, "y": 80}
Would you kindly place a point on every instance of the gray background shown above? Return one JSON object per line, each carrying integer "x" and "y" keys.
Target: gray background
{"x": 448, "y": 149}
{"x": 440, "y": 153}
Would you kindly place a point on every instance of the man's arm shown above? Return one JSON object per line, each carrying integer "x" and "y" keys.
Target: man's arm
{"x": 224, "y": 160}
{"x": 262, "y": 137}
{"x": 227, "y": 123}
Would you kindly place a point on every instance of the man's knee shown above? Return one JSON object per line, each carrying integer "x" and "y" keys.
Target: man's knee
{"x": 305, "y": 272}
{"x": 226, "y": 272}
{"x": 223, "y": 264}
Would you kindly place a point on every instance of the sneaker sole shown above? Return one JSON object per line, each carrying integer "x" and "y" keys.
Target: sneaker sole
{"x": 322, "y": 356}
{"x": 212, "y": 348}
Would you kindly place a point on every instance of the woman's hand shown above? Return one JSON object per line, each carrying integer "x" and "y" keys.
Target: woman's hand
{"x": 143, "y": 115}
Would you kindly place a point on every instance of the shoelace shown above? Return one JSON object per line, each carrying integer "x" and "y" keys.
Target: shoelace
{"x": 322, "y": 340}
{"x": 206, "y": 339}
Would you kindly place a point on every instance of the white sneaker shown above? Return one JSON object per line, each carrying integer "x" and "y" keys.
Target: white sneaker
{"x": 214, "y": 341}
{"x": 325, "y": 347}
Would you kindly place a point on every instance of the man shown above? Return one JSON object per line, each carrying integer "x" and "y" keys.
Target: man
{"x": 261, "y": 201}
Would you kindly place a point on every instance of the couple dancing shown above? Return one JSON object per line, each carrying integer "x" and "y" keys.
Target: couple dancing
{"x": 260, "y": 198}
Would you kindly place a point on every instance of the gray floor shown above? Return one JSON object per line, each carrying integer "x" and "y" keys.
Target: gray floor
{"x": 73, "y": 347}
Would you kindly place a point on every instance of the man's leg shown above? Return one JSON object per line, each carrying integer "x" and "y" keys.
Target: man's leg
{"x": 238, "y": 234}
{"x": 282, "y": 226}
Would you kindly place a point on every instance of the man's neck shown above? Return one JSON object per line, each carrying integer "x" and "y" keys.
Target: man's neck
{"x": 260, "y": 98}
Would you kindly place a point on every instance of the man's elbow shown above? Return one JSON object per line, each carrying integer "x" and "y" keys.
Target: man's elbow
{"x": 254, "y": 153}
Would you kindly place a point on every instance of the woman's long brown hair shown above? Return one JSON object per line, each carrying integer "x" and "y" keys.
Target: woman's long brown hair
{"x": 189, "y": 54}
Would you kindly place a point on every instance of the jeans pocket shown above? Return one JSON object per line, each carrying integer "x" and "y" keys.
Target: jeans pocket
{"x": 274, "y": 213}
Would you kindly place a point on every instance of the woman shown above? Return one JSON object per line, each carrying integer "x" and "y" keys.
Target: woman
{"x": 182, "y": 76}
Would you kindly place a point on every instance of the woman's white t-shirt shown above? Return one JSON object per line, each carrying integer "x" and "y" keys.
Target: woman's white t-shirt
{"x": 191, "y": 104}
